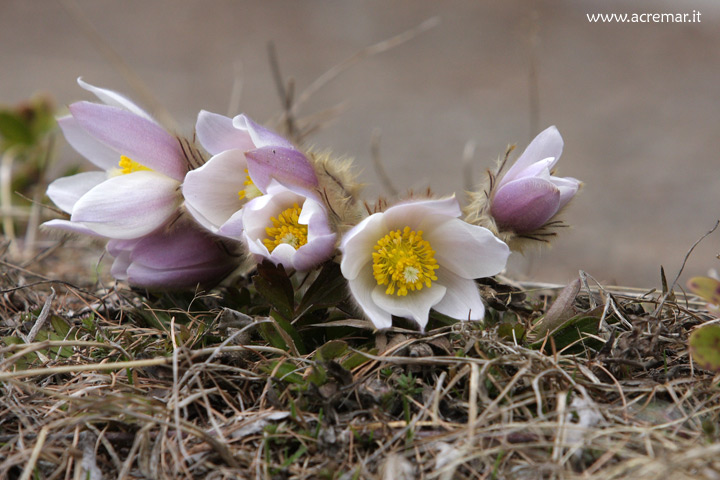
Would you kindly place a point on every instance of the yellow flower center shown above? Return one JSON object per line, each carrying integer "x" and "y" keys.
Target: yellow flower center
{"x": 286, "y": 229}
{"x": 403, "y": 260}
{"x": 250, "y": 191}
{"x": 128, "y": 165}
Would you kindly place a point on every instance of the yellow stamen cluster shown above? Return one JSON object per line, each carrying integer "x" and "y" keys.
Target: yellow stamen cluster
{"x": 404, "y": 261}
{"x": 286, "y": 229}
{"x": 128, "y": 165}
{"x": 250, "y": 191}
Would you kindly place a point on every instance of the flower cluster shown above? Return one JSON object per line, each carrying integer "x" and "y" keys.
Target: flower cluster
{"x": 176, "y": 214}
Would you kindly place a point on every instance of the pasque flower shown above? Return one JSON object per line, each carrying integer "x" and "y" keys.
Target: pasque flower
{"x": 246, "y": 157}
{"x": 287, "y": 227}
{"x": 417, "y": 256}
{"x": 181, "y": 256}
{"x": 528, "y": 196}
{"x": 142, "y": 165}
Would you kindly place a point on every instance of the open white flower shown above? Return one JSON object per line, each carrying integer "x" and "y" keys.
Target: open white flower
{"x": 246, "y": 157}
{"x": 143, "y": 165}
{"x": 287, "y": 228}
{"x": 418, "y": 256}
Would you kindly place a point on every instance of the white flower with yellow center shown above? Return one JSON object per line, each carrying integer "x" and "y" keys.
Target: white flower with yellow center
{"x": 143, "y": 164}
{"x": 417, "y": 256}
{"x": 246, "y": 157}
{"x": 287, "y": 228}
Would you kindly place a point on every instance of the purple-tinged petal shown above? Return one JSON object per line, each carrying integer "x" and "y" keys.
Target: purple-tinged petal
{"x": 217, "y": 134}
{"x": 206, "y": 274}
{"x": 453, "y": 239}
{"x": 136, "y": 137}
{"x": 233, "y": 228}
{"x": 315, "y": 252}
{"x": 540, "y": 169}
{"x": 361, "y": 288}
{"x": 88, "y": 146}
{"x": 180, "y": 247}
{"x": 548, "y": 144}
{"x": 109, "y": 97}
{"x": 70, "y": 227}
{"x": 415, "y": 305}
{"x": 525, "y": 204}
{"x": 120, "y": 265}
{"x": 462, "y": 299}
{"x": 212, "y": 191}
{"x": 287, "y": 166}
{"x": 128, "y": 206}
{"x": 66, "y": 191}
{"x": 568, "y": 187}
{"x": 261, "y": 136}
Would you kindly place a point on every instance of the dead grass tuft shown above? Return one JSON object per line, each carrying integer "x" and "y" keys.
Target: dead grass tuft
{"x": 116, "y": 384}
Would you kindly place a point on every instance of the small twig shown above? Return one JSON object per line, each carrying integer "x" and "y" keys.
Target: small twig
{"x": 8, "y": 223}
{"x": 30, "y": 465}
{"x": 378, "y": 165}
{"x": 467, "y": 156}
{"x": 34, "y": 372}
{"x": 682, "y": 267}
{"x": 41, "y": 318}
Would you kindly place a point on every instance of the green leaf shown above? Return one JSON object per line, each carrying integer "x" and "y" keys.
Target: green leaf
{"x": 286, "y": 372}
{"x": 328, "y": 289}
{"x": 705, "y": 347}
{"x": 506, "y": 329}
{"x": 14, "y": 131}
{"x": 61, "y": 327}
{"x": 331, "y": 350}
{"x": 273, "y": 283}
{"x": 706, "y": 288}
{"x": 357, "y": 359}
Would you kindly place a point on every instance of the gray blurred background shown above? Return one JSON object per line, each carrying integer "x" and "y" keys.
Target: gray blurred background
{"x": 637, "y": 104}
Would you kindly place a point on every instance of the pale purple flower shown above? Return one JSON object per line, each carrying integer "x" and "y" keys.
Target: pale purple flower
{"x": 286, "y": 227}
{"x": 528, "y": 195}
{"x": 181, "y": 256}
{"x": 142, "y": 164}
{"x": 417, "y": 256}
{"x": 246, "y": 158}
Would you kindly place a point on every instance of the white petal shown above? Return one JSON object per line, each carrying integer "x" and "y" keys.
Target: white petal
{"x": 88, "y": 146}
{"x": 70, "y": 227}
{"x": 357, "y": 244}
{"x": 568, "y": 187}
{"x": 315, "y": 252}
{"x": 548, "y": 144}
{"x": 128, "y": 206}
{"x": 415, "y": 305}
{"x": 66, "y": 191}
{"x": 233, "y": 228}
{"x": 462, "y": 299}
{"x": 217, "y": 134}
{"x": 261, "y": 136}
{"x": 467, "y": 250}
{"x": 109, "y": 97}
{"x": 211, "y": 191}
{"x": 410, "y": 214}
{"x": 361, "y": 288}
